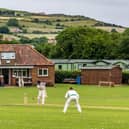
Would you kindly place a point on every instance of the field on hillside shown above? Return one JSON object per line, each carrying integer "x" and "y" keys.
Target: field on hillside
{"x": 52, "y": 24}
{"x": 102, "y": 108}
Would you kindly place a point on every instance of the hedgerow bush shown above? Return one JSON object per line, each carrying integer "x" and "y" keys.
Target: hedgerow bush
{"x": 125, "y": 77}
{"x": 61, "y": 75}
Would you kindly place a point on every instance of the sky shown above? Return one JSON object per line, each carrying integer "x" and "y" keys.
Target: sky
{"x": 110, "y": 11}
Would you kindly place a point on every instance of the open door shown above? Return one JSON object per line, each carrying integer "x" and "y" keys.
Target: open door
{"x": 5, "y": 73}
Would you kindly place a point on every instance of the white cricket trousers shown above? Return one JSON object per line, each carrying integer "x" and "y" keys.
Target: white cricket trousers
{"x": 72, "y": 98}
{"x": 41, "y": 97}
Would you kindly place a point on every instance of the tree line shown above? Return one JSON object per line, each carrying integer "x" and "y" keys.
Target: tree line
{"x": 84, "y": 43}
{"x": 88, "y": 43}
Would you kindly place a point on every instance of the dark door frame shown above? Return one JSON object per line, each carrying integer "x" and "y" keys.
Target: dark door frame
{"x": 6, "y": 77}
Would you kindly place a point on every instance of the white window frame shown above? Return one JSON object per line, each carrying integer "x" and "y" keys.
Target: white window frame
{"x": 42, "y": 75}
{"x": 19, "y": 72}
{"x": 8, "y": 55}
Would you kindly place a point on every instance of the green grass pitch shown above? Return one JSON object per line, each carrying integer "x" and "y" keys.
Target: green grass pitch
{"x": 102, "y": 108}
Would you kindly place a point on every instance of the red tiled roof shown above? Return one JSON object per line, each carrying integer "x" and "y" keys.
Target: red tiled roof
{"x": 25, "y": 54}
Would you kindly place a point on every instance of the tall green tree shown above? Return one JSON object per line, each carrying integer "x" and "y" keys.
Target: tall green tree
{"x": 83, "y": 42}
{"x": 124, "y": 48}
{"x": 45, "y": 49}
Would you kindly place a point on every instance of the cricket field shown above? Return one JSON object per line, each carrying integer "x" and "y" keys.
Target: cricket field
{"x": 102, "y": 108}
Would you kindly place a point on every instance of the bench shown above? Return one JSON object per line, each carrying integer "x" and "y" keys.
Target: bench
{"x": 106, "y": 83}
{"x": 69, "y": 80}
{"x": 27, "y": 83}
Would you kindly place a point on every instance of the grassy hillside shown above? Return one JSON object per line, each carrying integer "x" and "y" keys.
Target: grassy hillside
{"x": 41, "y": 24}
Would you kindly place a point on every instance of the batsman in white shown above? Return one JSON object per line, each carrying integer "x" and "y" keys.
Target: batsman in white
{"x": 42, "y": 94}
{"x": 72, "y": 95}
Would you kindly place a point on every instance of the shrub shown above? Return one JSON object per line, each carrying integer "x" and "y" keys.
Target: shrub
{"x": 61, "y": 75}
{"x": 125, "y": 77}
{"x": 4, "y": 30}
{"x": 13, "y": 22}
{"x": 24, "y": 40}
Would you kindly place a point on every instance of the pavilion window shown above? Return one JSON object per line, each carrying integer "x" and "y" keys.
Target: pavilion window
{"x": 42, "y": 72}
{"x": 21, "y": 72}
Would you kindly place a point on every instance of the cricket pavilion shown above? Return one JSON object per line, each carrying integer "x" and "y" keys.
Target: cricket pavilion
{"x": 18, "y": 60}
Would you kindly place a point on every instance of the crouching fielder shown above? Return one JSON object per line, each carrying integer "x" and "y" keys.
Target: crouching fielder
{"x": 42, "y": 94}
{"x": 72, "y": 95}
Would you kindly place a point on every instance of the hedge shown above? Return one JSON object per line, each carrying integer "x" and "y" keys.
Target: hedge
{"x": 125, "y": 77}
{"x": 61, "y": 75}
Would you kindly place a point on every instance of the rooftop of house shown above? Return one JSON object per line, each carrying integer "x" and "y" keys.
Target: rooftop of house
{"x": 98, "y": 68}
{"x": 25, "y": 54}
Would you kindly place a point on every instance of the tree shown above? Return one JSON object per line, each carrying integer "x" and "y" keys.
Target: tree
{"x": 113, "y": 30}
{"x": 13, "y": 22}
{"x": 115, "y": 42}
{"x": 1, "y": 37}
{"x": 84, "y": 42}
{"x": 39, "y": 40}
{"x": 4, "y": 29}
{"x": 126, "y": 32}
{"x": 24, "y": 40}
{"x": 124, "y": 48}
{"x": 70, "y": 42}
{"x": 45, "y": 49}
